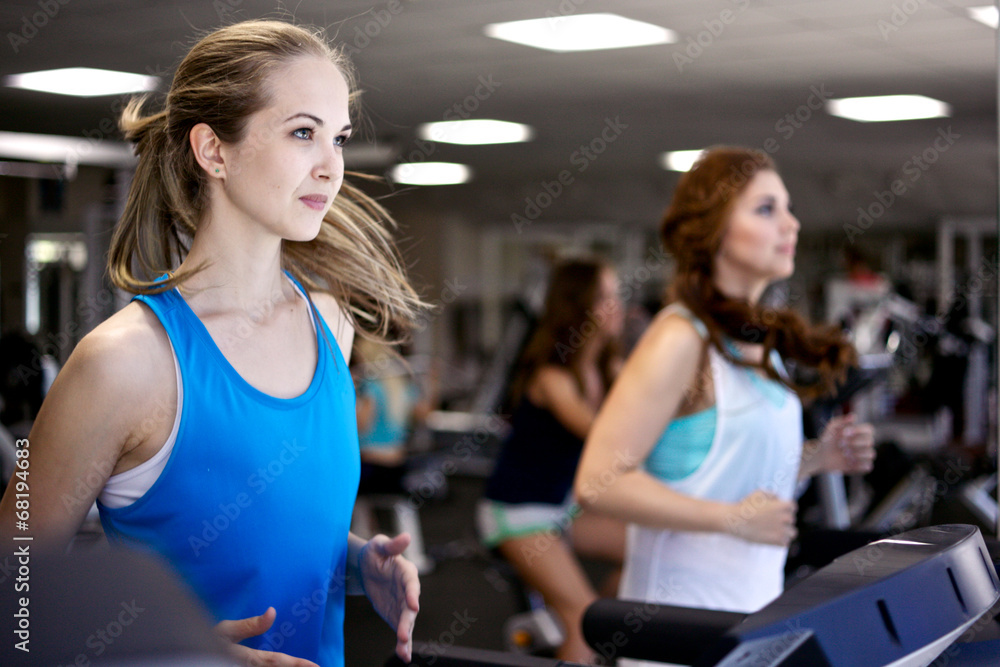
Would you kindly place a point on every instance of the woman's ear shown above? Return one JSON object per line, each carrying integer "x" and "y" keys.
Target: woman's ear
{"x": 207, "y": 150}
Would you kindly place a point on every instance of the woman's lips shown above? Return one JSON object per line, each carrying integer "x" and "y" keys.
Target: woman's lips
{"x": 315, "y": 202}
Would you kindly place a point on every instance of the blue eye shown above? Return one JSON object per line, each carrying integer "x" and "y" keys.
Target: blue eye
{"x": 766, "y": 209}
{"x": 342, "y": 140}
{"x": 307, "y": 130}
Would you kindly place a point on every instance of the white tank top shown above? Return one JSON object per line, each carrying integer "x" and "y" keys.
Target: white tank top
{"x": 757, "y": 445}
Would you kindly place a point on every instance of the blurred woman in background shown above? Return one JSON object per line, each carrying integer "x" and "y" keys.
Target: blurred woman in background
{"x": 528, "y": 512}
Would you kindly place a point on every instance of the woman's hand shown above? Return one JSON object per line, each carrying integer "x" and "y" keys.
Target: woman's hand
{"x": 765, "y": 518}
{"x": 392, "y": 585}
{"x": 237, "y": 631}
{"x": 845, "y": 446}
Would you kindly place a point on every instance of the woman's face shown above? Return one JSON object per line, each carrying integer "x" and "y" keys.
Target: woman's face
{"x": 288, "y": 168}
{"x": 758, "y": 245}
{"x": 608, "y": 308}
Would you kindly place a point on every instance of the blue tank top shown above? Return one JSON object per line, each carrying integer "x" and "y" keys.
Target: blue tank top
{"x": 538, "y": 461}
{"x": 254, "y": 505}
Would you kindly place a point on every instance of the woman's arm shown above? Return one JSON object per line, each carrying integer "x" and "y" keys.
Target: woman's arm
{"x": 556, "y": 390}
{"x": 114, "y": 391}
{"x": 429, "y": 395}
{"x": 365, "y": 408}
{"x": 376, "y": 568}
{"x": 647, "y": 394}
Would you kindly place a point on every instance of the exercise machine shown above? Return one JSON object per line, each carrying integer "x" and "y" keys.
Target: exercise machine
{"x": 900, "y": 601}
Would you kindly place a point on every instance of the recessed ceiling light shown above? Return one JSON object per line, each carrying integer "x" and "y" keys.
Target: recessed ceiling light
{"x": 987, "y": 15}
{"x": 430, "y": 173}
{"x": 888, "y": 108}
{"x": 679, "y": 160}
{"x": 83, "y": 81}
{"x": 475, "y": 132}
{"x": 581, "y": 32}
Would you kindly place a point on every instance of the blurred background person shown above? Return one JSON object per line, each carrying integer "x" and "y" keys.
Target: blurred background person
{"x": 528, "y": 512}
{"x": 704, "y": 422}
{"x": 390, "y": 404}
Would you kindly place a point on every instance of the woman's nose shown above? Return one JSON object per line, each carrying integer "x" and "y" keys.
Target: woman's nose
{"x": 329, "y": 164}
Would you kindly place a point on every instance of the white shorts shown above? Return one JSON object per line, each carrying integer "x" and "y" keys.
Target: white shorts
{"x": 498, "y": 522}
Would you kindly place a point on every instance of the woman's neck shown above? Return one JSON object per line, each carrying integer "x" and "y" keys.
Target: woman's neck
{"x": 240, "y": 272}
{"x": 738, "y": 287}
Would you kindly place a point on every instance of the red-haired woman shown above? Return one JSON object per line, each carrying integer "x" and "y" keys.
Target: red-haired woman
{"x": 563, "y": 376}
{"x": 703, "y": 430}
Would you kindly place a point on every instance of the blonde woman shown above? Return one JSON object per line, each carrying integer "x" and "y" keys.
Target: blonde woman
{"x": 216, "y": 410}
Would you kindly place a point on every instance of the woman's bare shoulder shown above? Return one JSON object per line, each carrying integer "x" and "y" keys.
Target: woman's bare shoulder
{"x": 670, "y": 328}
{"x": 100, "y": 403}
{"x": 131, "y": 332}
{"x": 130, "y": 350}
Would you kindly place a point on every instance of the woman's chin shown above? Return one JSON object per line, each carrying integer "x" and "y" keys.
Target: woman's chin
{"x": 303, "y": 235}
{"x": 785, "y": 270}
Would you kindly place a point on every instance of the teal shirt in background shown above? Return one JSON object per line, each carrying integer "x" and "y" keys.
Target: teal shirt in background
{"x": 394, "y": 399}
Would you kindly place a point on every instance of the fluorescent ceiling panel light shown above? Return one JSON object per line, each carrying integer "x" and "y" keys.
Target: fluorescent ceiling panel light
{"x": 679, "y": 160}
{"x": 475, "y": 132}
{"x": 430, "y": 173}
{"x": 987, "y": 15}
{"x": 888, "y": 108}
{"x": 83, "y": 82}
{"x": 581, "y": 32}
{"x": 65, "y": 150}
